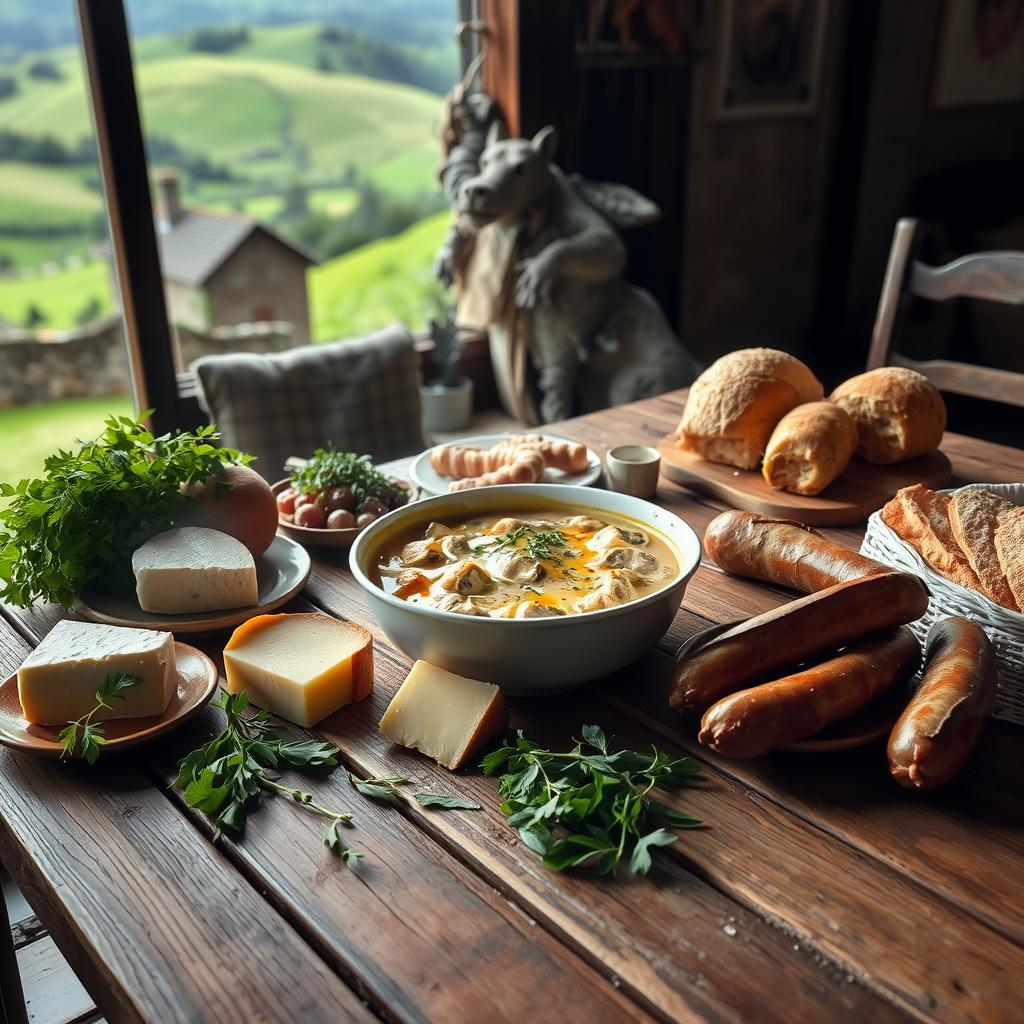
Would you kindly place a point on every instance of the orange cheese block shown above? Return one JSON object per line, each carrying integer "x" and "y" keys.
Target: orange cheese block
{"x": 302, "y": 667}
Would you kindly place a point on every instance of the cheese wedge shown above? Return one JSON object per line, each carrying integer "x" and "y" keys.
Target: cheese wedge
{"x": 59, "y": 680}
{"x": 193, "y": 569}
{"x": 302, "y": 667}
{"x": 445, "y": 716}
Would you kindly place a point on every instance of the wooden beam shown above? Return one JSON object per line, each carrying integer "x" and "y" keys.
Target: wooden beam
{"x": 122, "y": 155}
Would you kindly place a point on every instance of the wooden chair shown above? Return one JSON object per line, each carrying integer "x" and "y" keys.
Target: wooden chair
{"x": 997, "y": 276}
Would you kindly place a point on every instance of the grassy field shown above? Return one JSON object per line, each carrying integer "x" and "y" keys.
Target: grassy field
{"x": 59, "y": 297}
{"x": 390, "y": 279}
{"x": 32, "y": 432}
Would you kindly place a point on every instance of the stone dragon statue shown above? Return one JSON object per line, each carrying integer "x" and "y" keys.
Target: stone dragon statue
{"x": 535, "y": 259}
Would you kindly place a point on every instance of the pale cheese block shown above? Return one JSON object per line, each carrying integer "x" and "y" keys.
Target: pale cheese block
{"x": 445, "y": 716}
{"x": 58, "y": 682}
{"x": 193, "y": 569}
{"x": 302, "y": 667}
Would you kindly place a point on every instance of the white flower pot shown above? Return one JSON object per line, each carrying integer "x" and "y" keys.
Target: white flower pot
{"x": 445, "y": 408}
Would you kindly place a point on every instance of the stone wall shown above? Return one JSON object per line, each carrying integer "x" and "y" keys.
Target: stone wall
{"x": 40, "y": 366}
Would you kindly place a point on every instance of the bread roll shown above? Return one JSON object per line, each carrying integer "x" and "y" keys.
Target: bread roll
{"x": 899, "y": 414}
{"x": 735, "y": 403}
{"x": 809, "y": 447}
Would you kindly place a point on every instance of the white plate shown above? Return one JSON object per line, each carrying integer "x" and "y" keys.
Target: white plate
{"x": 281, "y": 572}
{"x": 431, "y": 482}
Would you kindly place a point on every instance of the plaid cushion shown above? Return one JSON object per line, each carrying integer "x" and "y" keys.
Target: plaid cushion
{"x": 360, "y": 395}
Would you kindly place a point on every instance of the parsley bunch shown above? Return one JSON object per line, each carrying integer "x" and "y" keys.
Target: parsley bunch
{"x": 583, "y": 809}
{"x": 78, "y": 525}
{"x": 83, "y": 729}
{"x": 327, "y": 468}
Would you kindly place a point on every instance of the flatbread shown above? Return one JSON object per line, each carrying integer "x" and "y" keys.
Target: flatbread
{"x": 1010, "y": 551}
{"x": 974, "y": 516}
{"x": 921, "y": 517}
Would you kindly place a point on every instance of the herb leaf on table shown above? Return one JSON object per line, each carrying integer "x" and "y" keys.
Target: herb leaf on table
{"x": 84, "y": 731}
{"x": 588, "y": 807}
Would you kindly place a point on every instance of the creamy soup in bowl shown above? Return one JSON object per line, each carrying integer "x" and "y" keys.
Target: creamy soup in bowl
{"x": 537, "y": 563}
{"x": 537, "y": 587}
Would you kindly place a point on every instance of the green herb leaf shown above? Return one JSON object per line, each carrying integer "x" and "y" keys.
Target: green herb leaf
{"x": 590, "y": 808}
{"x": 328, "y": 468}
{"x": 449, "y": 803}
{"x": 378, "y": 789}
{"x": 85, "y": 735}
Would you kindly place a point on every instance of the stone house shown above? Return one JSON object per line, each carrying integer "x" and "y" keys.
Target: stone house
{"x": 225, "y": 269}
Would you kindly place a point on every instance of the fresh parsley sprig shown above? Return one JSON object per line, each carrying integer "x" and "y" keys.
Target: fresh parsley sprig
{"x": 86, "y": 735}
{"x": 228, "y": 777}
{"x": 587, "y": 807}
{"x": 78, "y": 525}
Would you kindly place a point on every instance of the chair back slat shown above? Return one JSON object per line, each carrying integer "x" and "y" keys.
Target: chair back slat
{"x": 966, "y": 379}
{"x": 997, "y": 276}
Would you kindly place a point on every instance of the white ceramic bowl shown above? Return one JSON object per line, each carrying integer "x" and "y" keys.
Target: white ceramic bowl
{"x": 528, "y": 656}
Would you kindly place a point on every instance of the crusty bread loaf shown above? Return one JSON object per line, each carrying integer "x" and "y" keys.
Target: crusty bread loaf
{"x": 921, "y": 517}
{"x": 734, "y": 404}
{"x": 809, "y": 447}
{"x": 1010, "y": 551}
{"x": 898, "y": 412}
{"x": 974, "y": 516}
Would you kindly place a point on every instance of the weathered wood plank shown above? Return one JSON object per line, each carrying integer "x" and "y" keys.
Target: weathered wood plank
{"x": 158, "y": 926}
{"x": 53, "y": 995}
{"x": 865, "y": 927}
{"x": 410, "y": 913}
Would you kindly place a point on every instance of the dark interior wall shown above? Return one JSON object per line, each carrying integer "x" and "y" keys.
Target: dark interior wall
{"x": 906, "y": 140}
{"x": 756, "y": 192}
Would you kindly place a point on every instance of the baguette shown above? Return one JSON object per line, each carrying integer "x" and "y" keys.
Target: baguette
{"x": 763, "y": 645}
{"x": 782, "y": 551}
{"x": 755, "y": 721}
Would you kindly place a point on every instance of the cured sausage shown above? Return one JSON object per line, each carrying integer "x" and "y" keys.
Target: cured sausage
{"x": 938, "y": 729}
{"x": 766, "y": 644}
{"x": 526, "y": 469}
{"x": 764, "y": 718}
{"x": 782, "y": 551}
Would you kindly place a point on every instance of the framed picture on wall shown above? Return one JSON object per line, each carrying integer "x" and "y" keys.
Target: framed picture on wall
{"x": 981, "y": 54}
{"x": 769, "y": 57}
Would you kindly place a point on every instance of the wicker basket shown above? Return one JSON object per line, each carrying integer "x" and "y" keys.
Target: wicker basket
{"x": 1005, "y": 628}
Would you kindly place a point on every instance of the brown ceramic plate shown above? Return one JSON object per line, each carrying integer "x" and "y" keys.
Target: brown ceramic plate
{"x": 324, "y": 538}
{"x": 197, "y": 683}
{"x": 281, "y": 572}
{"x": 869, "y": 724}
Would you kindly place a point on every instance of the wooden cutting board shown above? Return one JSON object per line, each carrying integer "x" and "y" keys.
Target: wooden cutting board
{"x": 859, "y": 491}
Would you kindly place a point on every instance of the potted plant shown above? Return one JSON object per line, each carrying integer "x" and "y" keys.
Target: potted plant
{"x": 447, "y": 398}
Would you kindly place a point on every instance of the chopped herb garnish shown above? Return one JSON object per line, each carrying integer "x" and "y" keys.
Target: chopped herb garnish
{"x": 541, "y": 545}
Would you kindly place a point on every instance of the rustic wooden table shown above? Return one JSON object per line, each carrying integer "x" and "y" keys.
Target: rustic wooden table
{"x": 821, "y": 892}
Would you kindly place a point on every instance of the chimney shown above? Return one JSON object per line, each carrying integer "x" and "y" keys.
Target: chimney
{"x": 168, "y": 204}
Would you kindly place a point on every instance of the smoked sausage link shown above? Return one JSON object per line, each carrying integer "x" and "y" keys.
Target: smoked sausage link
{"x": 782, "y": 551}
{"x": 764, "y": 718}
{"x": 767, "y": 644}
{"x": 938, "y": 729}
